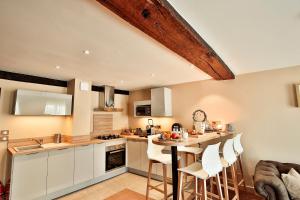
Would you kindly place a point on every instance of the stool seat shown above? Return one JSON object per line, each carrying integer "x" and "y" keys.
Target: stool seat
{"x": 196, "y": 170}
{"x": 209, "y": 168}
{"x": 155, "y": 155}
{"x": 225, "y": 163}
{"x": 192, "y": 150}
{"x": 163, "y": 158}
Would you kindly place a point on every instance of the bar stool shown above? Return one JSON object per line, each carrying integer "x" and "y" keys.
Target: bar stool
{"x": 209, "y": 167}
{"x": 228, "y": 160}
{"x": 155, "y": 155}
{"x": 185, "y": 152}
{"x": 239, "y": 150}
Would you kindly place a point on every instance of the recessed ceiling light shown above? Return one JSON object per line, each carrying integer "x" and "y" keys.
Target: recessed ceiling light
{"x": 86, "y": 52}
{"x": 57, "y": 67}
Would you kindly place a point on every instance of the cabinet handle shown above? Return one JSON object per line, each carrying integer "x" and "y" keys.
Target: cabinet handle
{"x": 117, "y": 151}
{"x": 85, "y": 145}
{"x": 28, "y": 154}
{"x": 62, "y": 149}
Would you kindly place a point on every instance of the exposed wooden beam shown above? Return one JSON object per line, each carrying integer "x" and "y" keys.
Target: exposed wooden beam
{"x": 159, "y": 19}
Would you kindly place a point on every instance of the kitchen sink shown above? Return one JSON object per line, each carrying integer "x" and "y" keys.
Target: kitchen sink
{"x": 43, "y": 146}
{"x": 28, "y": 147}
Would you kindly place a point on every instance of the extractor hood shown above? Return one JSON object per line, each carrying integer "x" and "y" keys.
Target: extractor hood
{"x": 107, "y": 101}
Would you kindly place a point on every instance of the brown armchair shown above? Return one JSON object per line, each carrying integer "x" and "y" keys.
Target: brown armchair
{"x": 267, "y": 179}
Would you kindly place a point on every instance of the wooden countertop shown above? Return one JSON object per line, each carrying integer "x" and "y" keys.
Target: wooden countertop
{"x": 135, "y": 138}
{"x": 192, "y": 140}
{"x": 68, "y": 145}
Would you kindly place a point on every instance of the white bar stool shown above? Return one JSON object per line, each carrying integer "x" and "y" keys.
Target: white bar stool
{"x": 209, "y": 167}
{"x": 228, "y": 161}
{"x": 239, "y": 150}
{"x": 155, "y": 155}
{"x": 185, "y": 152}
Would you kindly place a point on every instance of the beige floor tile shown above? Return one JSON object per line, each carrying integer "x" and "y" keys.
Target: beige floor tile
{"x": 112, "y": 186}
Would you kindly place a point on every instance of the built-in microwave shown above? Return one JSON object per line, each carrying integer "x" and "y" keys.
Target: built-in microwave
{"x": 142, "y": 108}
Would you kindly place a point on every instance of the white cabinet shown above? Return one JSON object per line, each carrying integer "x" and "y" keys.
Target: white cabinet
{"x": 99, "y": 160}
{"x": 60, "y": 170}
{"x": 84, "y": 163}
{"x": 161, "y": 102}
{"x": 133, "y": 154}
{"x": 29, "y": 176}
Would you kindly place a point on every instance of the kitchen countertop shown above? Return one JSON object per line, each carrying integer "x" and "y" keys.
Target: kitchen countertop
{"x": 68, "y": 145}
{"x": 135, "y": 138}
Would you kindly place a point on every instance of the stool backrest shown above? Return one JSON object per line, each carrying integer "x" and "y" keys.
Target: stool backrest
{"x": 153, "y": 149}
{"x": 228, "y": 152}
{"x": 211, "y": 161}
{"x": 237, "y": 144}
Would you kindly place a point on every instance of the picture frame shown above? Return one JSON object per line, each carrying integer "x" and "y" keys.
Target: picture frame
{"x": 297, "y": 86}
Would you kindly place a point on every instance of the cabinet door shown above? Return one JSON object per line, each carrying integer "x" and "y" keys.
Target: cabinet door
{"x": 99, "y": 160}
{"x": 29, "y": 176}
{"x": 144, "y": 157}
{"x": 133, "y": 154}
{"x": 84, "y": 164}
{"x": 60, "y": 170}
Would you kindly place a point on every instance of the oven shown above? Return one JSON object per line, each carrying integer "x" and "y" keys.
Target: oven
{"x": 115, "y": 156}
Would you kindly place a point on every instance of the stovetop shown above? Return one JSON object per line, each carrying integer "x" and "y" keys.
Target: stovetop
{"x": 108, "y": 137}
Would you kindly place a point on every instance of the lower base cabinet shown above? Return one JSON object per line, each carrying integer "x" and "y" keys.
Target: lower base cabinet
{"x": 84, "y": 163}
{"x": 60, "y": 170}
{"x": 29, "y": 176}
{"x": 99, "y": 160}
{"x": 138, "y": 158}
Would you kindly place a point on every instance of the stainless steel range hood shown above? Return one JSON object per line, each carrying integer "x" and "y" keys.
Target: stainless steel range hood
{"x": 107, "y": 101}
{"x": 109, "y": 96}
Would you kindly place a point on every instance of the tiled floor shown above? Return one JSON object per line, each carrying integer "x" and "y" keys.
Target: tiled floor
{"x": 109, "y": 187}
{"x": 117, "y": 184}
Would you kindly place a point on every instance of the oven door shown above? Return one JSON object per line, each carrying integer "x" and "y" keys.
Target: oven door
{"x": 115, "y": 159}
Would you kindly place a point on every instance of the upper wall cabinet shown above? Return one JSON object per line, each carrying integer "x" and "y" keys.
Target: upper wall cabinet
{"x": 35, "y": 103}
{"x": 161, "y": 102}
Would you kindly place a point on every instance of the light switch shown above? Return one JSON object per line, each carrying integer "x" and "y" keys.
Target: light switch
{"x": 84, "y": 86}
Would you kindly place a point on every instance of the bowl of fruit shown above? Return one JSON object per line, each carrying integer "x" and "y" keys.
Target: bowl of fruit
{"x": 171, "y": 136}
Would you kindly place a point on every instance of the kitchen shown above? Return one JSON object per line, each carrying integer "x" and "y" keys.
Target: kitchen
{"x": 148, "y": 99}
{"x": 27, "y": 158}
{"x": 104, "y": 153}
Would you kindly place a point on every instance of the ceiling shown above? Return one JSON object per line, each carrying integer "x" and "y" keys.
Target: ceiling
{"x": 36, "y": 36}
{"x": 249, "y": 36}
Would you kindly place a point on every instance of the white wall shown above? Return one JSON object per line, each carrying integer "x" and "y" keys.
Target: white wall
{"x": 261, "y": 105}
{"x": 29, "y": 126}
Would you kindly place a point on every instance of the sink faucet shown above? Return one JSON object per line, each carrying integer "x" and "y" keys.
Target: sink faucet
{"x": 39, "y": 141}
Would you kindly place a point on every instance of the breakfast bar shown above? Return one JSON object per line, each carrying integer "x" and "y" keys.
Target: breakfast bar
{"x": 207, "y": 138}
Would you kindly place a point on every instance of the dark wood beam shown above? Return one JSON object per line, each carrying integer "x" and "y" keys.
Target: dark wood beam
{"x": 160, "y": 20}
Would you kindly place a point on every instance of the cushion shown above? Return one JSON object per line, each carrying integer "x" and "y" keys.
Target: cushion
{"x": 292, "y": 183}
